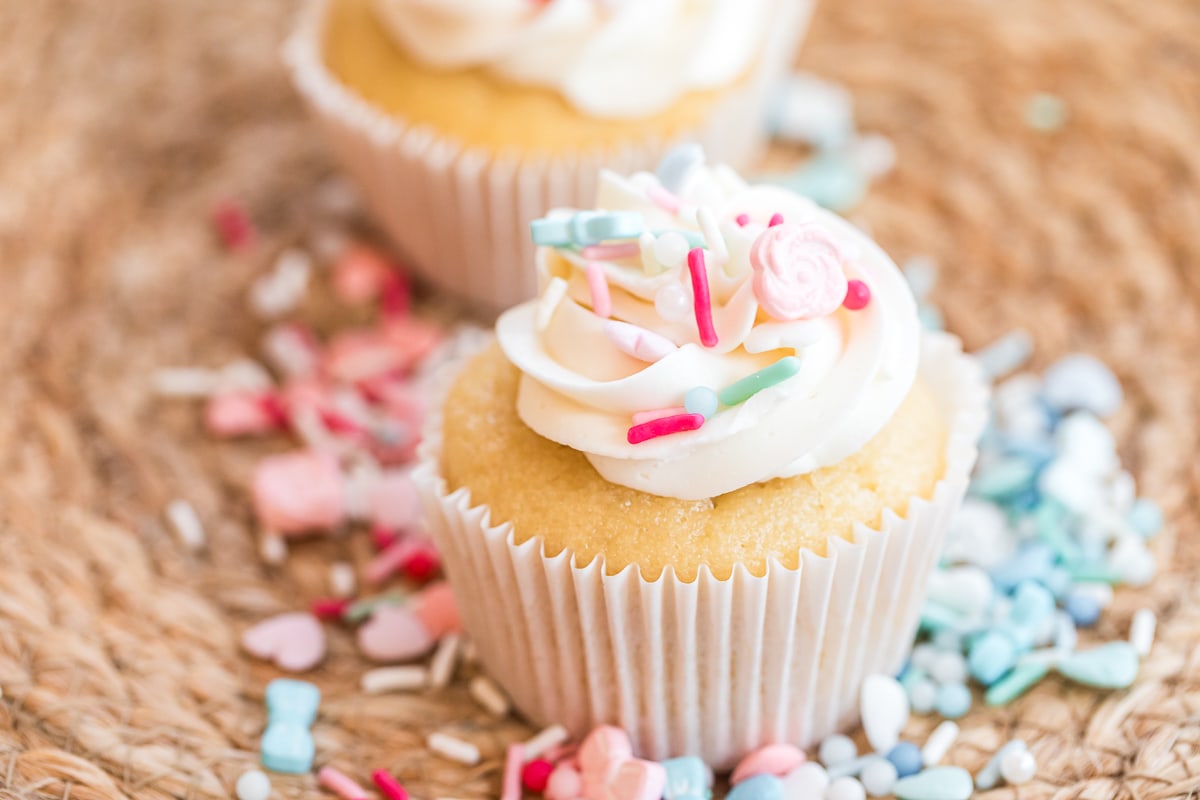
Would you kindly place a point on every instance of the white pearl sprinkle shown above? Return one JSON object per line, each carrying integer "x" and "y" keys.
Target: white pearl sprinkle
{"x": 253, "y": 785}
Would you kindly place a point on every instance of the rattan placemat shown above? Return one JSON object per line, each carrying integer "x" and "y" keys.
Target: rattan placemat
{"x": 122, "y": 123}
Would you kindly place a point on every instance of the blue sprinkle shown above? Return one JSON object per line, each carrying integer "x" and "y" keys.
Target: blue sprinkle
{"x": 906, "y": 758}
{"x": 1058, "y": 581}
{"x": 1032, "y": 562}
{"x": 760, "y": 787}
{"x": 1004, "y": 478}
{"x": 1032, "y": 603}
{"x": 701, "y": 400}
{"x": 828, "y": 179}
{"x": 991, "y": 657}
{"x": 677, "y": 164}
{"x": 687, "y": 779}
{"x": 1045, "y": 112}
{"x": 1083, "y": 608}
{"x": 953, "y": 700}
{"x": 586, "y": 227}
{"x": 1145, "y": 517}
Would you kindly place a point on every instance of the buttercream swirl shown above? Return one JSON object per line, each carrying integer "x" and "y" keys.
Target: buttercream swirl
{"x": 582, "y": 383}
{"x": 608, "y": 58}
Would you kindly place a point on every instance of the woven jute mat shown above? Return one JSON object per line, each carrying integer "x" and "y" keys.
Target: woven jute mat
{"x": 122, "y": 123}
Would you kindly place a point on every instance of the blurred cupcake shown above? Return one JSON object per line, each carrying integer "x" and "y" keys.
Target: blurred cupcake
{"x": 461, "y": 120}
{"x": 697, "y": 487}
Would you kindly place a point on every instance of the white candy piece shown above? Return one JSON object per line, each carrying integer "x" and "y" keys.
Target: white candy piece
{"x": 714, "y": 240}
{"x": 949, "y": 667}
{"x": 989, "y": 776}
{"x": 280, "y": 290}
{"x": 244, "y": 374}
{"x": 545, "y": 739}
{"x": 878, "y": 777}
{"x": 813, "y": 111}
{"x": 807, "y": 780}
{"x": 272, "y": 548}
{"x": 837, "y": 749}
{"x": 1141, "y": 631}
{"x": 884, "y": 706}
{"x": 342, "y": 580}
{"x": 253, "y": 785}
{"x": 922, "y": 696}
{"x": 1081, "y": 381}
{"x": 186, "y": 522}
{"x": 395, "y": 679}
{"x": 1087, "y": 443}
{"x": 454, "y": 749}
{"x": 939, "y": 743}
{"x": 1132, "y": 560}
{"x": 483, "y": 690}
{"x": 845, "y": 789}
{"x": 670, "y": 249}
{"x": 444, "y": 661}
{"x": 185, "y": 381}
{"x": 1005, "y": 354}
{"x": 966, "y": 589}
{"x": 1018, "y": 767}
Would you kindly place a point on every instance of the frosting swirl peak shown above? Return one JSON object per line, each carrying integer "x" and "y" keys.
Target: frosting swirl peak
{"x": 712, "y": 351}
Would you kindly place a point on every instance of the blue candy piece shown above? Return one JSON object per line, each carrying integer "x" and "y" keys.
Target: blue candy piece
{"x": 587, "y": 227}
{"x": 1015, "y": 684}
{"x": 687, "y": 779}
{"x": 936, "y": 783}
{"x": 760, "y": 787}
{"x": 906, "y": 758}
{"x": 991, "y": 655}
{"x": 828, "y": 179}
{"x": 287, "y": 745}
{"x": 1145, "y": 517}
{"x": 953, "y": 700}
{"x": 701, "y": 400}
{"x": 1032, "y": 603}
{"x": 1004, "y": 478}
{"x": 1110, "y": 666}
{"x": 677, "y": 164}
{"x": 1083, "y": 608}
{"x": 931, "y": 319}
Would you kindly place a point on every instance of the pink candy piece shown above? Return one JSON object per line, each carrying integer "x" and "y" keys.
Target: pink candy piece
{"x": 359, "y": 355}
{"x": 609, "y": 771}
{"x": 637, "y": 780}
{"x": 415, "y": 337}
{"x": 664, "y": 426}
{"x": 340, "y": 784}
{"x": 329, "y": 607}
{"x": 294, "y": 642}
{"x": 797, "y": 272}
{"x": 774, "y": 759}
{"x": 702, "y": 304}
{"x": 390, "y": 561}
{"x": 611, "y": 252}
{"x": 776, "y": 219}
{"x": 742, "y": 220}
{"x": 642, "y": 344}
{"x": 565, "y": 783}
{"x": 513, "y": 763}
{"x": 388, "y": 785}
{"x": 239, "y": 414}
{"x": 424, "y": 564}
{"x": 397, "y": 295}
{"x": 663, "y": 198}
{"x": 535, "y": 776}
{"x": 437, "y": 609}
{"x": 642, "y": 417}
{"x": 359, "y": 274}
{"x": 393, "y": 501}
{"x": 858, "y": 295}
{"x": 394, "y": 633}
{"x": 233, "y": 225}
{"x": 298, "y": 492}
{"x": 598, "y": 286}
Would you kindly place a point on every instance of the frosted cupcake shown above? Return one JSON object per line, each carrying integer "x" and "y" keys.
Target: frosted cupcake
{"x": 475, "y": 116}
{"x": 697, "y": 487}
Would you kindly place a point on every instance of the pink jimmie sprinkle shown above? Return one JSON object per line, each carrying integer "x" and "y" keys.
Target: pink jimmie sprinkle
{"x": 598, "y": 286}
{"x": 396, "y": 295}
{"x": 642, "y": 417}
{"x": 703, "y": 304}
{"x": 611, "y": 252}
{"x": 329, "y": 607}
{"x": 776, "y": 219}
{"x": 742, "y": 220}
{"x": 389, "y": 786}
{"x": 663, "y": 199}
{"x": 664, "y": 426}
{"x": 390, "y": 561}
{"x": 233, "y": 225}
{"x": 514, "y": 763}
{"x": 640, "y": 343}
{"x": 340, "y": 784}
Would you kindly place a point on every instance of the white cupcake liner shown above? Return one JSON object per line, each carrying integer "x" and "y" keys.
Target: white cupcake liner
{"x": 461, "y": 216}
{"x": 714, "y": 668}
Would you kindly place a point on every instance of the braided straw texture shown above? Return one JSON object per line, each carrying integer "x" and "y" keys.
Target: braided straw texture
{"x": 122, "y": 123}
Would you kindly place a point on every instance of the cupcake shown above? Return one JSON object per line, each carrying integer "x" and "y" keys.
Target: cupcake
{"x": 695, "y": 489}
{"x": 461, "y": 120}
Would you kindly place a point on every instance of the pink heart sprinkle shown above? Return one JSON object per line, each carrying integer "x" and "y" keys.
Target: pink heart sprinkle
{"x": 774, "y": 759}
{"x": 394, "y": 633}
{"x": 294, "y": 641}
{"x": 638, "y": 780}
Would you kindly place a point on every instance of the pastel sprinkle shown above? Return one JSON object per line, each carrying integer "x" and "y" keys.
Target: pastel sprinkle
{"x": 340, "y": 784}
{"x": 747, "y": 387}
{"x": 671, "y": 248}
{"x": 611, "y": 252}
{"x": 486, "y": 693}
{"x": 1018, "y": 767}
{"x": 547, "y": 304}
{"x": 714, "y": 240}
{"x": 253, "y": 784}
{"x": 1141, "y": 632}
{"x": 700, "y": 400}
{"x": 664, "y": 426}
{"x": 1018, "y": 681}
{"x": 665, "y": 200}
{"x": 641, "y": 343}
{"x": 1109, "y": 666}
{"x": 936, "y": 783}
{"x": 702, "y": 304}
{"x": 907, "y": 758}
{"x": 774, "y": 759}
{"x": 776, "y": 219}
{"x": 646, "y": 244}
{"x": 514, "y": 761}
{"x": 938, "y": 743}
{"x": 453, "y": 748}
{"x": 544, "y": 740}
{"x": 598, "y": 286}
{"x": 742, "y": 220}
{"x": 394, "y": 679}
{"x": 760, "y": 787}
{"x": 388, "y": 785}
{"x": 640, "y": 417}
{"x": 858, "y": 295}
{"x": 535, "y": 776}
{"x": 987, "y": 777}
{"x": 586, "y": 227}
{"x": 673, "y": 169}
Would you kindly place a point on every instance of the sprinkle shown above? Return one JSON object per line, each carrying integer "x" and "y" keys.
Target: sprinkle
{"x": 938, "y": 743}
{"x": 1019, "y": 680}
{"x": 394, "y": 679}
{"x": 747, "y": 387}
{"x": 1141, "y": 632}
{"x": 485, "y": 692}
{"x": 329, "y": 607}
{"x": 454, "y": 749}
{"x": 359, "y": 611}
{"x": 1005, "y": 354}
{"x": 942, "y": 783}
{"x": 742, "y": 220}
{"x": 1045, "y": 112}
{"x": 906, "y": 757}
{"x": 391, "y": 560}
{"x": 423, "y": 565}
{"x": 253, "y": 784}
{"x": 536, "y": 775}
{"x": 646, "y": 244}
{"x": 340, "y": 784}
{"x": 611, "y": 252}
{"x": 554, "y": 293}
{"x": 642, "y": 344}
{"x": 598, "y": 286}
{"x": 272, "y": 548}
{"x": 444, "y": 661}
{"x": 186, "y": 523}
{"x": 542, "y": 741}
{"x": 837, "y": 749}
{"x": 1018, "y": 767}
{"x": 233, "y": 225}
{"x": 663, "y": 199}
{"x": 987, "y": 777}
{"x": 713, "y": 238}
{"x": 664, "y": 426}
{"x": 185, "y": 381}
{"x": 383, "y": 537}
{"x": 776, "y": 219}
{"x": 700, "y": 400}
{"x": 702, "y": 305}
{"x": 858, "y": 295}
{"x": 513, "y": 762}
{"x": 342, "y": 580}
{"x": 586, "y": 227}
{"x": 953, "y": 700}
{"x": 388, "y": 785}
{"x": 670, "y": 249}
{"x": 642, "y": 417}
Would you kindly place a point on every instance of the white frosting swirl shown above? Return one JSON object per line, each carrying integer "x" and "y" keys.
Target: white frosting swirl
{"x": 608, "y": 58}
{"x": 580, "y": 389}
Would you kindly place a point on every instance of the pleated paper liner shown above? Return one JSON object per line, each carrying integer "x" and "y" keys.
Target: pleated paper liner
{"x": 461, "y": 216}
{"x": 713, "y": 668}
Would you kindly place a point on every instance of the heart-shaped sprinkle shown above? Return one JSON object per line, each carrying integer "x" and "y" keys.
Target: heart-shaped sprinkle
{"x": 294, "y": 642}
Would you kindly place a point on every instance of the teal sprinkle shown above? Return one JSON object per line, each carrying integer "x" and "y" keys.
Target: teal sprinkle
{"x": 747, "y": 387}
{"x": 1004, "y": 479}
{"x": 364, "y": 608}
{"x": 1094, "y": 572}
{"x": 1019, "y": 680}
{"x": 1109, "y": 666}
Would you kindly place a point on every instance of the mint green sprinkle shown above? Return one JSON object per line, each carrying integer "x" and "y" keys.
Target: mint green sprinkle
{"x": 364, "y": 608}
{"x": 747, "y": 387}
{"x": 1094, "y": 572}
{"x": 1015, "y": 683}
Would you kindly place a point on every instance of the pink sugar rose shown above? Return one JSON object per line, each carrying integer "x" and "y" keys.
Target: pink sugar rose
{"x": 798, "y": 271}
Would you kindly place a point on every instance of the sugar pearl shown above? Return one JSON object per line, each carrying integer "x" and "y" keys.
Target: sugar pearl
{"x": 253, "y": 785}
{"x": 837, "y": 749}
{"x": 1018, "y": 767}
{"x": 878, "y": 777}
{"x": 845, "y": 789}
{"x": 672, "y": 303}
{"x": 670, "y": 249}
